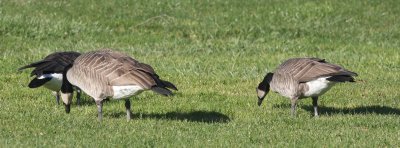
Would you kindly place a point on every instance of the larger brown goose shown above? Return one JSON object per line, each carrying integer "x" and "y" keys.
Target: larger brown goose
{"x": 48, "y": 72}
{"x": 301, "y": 78}
{"x": 110, "y": 74}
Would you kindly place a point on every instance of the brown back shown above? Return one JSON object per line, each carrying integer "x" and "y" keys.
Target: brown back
{"x": 307, "y": 69}
{"x": 97, "y": 71}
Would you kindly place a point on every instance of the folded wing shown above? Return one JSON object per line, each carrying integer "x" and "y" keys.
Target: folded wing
{"x": 307, "y": 69}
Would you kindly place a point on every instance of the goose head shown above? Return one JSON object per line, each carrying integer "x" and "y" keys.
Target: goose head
{"x": 66, "y": 90}
{"x": 263, "y": 88}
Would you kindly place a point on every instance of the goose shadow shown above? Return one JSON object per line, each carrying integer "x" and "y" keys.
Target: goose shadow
{"x": 194, "y": 116}
{"x": 84, "y": 102}
{"x": 89, "y": 101}
{"x": 361, "y": 110}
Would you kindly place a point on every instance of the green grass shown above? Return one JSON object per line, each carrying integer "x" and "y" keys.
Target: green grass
{"x": 216, "y": 52}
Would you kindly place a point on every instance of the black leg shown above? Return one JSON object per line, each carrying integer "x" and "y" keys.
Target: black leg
{"x": 78, "y": 96}
{"x": 294, "y": 104}
{"x": 57, "y": 94}
{"x": 128, "y": 109}
{"x": 315, "y": 105}
{"x": 99, "y": 104}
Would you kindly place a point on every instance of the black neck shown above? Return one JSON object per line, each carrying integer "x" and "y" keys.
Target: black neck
{"x": 264, "y": 85}
{"x": 268, "y": 77}
{"x": 66, "y": 86}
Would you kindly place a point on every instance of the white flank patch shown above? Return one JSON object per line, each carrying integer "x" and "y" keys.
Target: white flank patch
{"x": 318, "y": 87}
{"x": 55, "y": 82}
{"x": 126, "y": 91}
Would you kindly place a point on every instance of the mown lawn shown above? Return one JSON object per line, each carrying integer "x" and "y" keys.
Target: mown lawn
{"x": 216, "y": 52}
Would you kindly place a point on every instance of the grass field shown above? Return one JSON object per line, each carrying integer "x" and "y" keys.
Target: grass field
{"x": 216, "y": 52}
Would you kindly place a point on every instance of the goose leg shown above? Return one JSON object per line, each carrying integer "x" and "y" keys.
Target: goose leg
{"x": 57, "y": 94}
{"x": 78, "y": 96}
{"x": 294, "y": 104}
{"x": 99, "y": 104}
{"x": 128, "y": 109}
{"x": 315, "y": 105}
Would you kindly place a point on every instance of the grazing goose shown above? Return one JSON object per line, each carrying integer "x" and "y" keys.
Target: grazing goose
{"x": 301, "y": 78}
{"x": 48, "y": 72}
{"x": 109, "y": 74}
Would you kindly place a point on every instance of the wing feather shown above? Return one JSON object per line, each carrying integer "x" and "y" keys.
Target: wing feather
{"x": 307, "y": 69}
{"x": 117, "y": 69}
{"x": 111, "y": 68}
{"x": 53, "y": 63}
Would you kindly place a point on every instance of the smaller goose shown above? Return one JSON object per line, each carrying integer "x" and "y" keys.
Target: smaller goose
{"x": 109, "y": 74}
{"x": 48, "y": 72}
{"x": 301, "y": 78}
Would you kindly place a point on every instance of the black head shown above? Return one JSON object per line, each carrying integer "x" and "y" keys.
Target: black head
{"x": 67, "y": 108}
{"x": 263, "y": 88}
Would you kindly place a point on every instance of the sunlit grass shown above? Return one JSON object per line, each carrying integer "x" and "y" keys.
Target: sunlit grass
{"x": 215, "y": 52}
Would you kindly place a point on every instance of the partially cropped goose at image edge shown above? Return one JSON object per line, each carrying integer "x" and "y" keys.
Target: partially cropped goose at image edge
{"x": 107, "y": 74}
{"x": 48, "y": 72}
{"x": 301, "y": 78}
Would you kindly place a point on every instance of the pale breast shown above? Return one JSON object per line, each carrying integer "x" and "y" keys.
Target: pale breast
{"x": 318, "y": 87}
{"x": 126, "y": 91}
{"x": 284, "y": 84}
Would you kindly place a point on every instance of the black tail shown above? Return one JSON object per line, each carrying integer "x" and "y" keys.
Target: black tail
{"x": 162, "y": 91}
{"x": 35, "y": 64}
{"x": 349, "y": 73}
{"x": 169, "y": 85}
{"x": 42, "y": 67}
{"x": 53, "y": 63}
{"x": 341, "y": 78}
{"x": 38, "y": 82}
{"x": 162, "y": 86}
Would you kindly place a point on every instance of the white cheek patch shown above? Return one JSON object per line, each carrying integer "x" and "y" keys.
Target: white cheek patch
{"x": 318, "y": 87}
{"x": 66, "y": 98}
{"x": 55, "y": 82}
{"x": 126, "y": 91}
{"x": 260, "y": 93}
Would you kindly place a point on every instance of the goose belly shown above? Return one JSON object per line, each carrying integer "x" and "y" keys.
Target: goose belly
{"x": 318, "y": 87}
{"x": 126, "y": 91}
{"x": 55, "y": 83}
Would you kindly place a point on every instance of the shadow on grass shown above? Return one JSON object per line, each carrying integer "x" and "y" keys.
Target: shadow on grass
{"x": 88, "y": 101}
{"x": 195, "y": 116}
{"x": 282, "y": 105}
{"x": 85, "y": 102}
{"x": 375, "y": 109}
{"x": 323, "y": 110}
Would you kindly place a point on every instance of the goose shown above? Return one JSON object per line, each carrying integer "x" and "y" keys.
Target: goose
{"x": 107, "y": 74}
{"x": 299, "y": 78}
{"x": 48, "y": 72}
